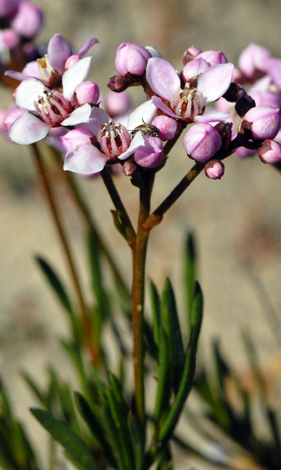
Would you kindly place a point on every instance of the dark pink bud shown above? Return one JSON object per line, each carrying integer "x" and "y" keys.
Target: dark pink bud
{"x": 194, "y": 68}
{"x": 201, "y": 142}
{"x": 214, "y": 169}
{"x": 28, "y": 20}
{"x": 213, "y": 57}
{"x": 244, "y": 104}
{"x": 270, "y": 152}
{"x": 131, "y": 58}
{"x": 75, "y": 137}
{"x": 261, "y": 122}
{"x": 149, "y": 155}
{"x": 10, "y": 38}
{"x": 87, "y": 92}
{"x": 8, "y": 7}
{"x": 119, "y": 83}
{"x": 253, "y": 58}
{"x": 129, "y": 168}
{"x": 168, "y": 127}
{"x": 72, "y": 60}
{"x": 118, "y": 103}
{"x": 190, "y": 54}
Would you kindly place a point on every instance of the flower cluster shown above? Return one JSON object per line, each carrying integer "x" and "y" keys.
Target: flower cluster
{"x": 20, "y": 22}
{"x": 54, "y": 96}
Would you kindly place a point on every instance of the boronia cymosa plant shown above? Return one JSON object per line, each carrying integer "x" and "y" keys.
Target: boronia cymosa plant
{"x": 218, "y": 110}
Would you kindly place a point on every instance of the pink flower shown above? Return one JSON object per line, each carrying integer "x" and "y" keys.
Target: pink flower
{"x": 201, "y": 142}
{"x": 187, "y": 103}
{"x": 48, "y": 108}
{"x": 88, "y": 155}
{"x": 50, "y": 68}
{"x": 252, "y": 59}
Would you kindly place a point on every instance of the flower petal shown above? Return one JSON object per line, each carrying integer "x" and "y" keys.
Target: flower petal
{"x": 98, "y": 117}
{"x": 212, "y": 116}
{"x": 58, "y": 52}
{"x": 27, "y": 129}
{"x": 85, "y": 160}
{"x": 142, "y": 114}
{"x": 215, "y": 81}
{"x": 27, "y": 92}
{"x": 74, "y": 76}
{"x": 78, "y": 116}
{"x": 162, "y": 77}
{"x": 159, "y": 103}
{"x": 88, "y": 44}
{"x": 137, "y": 142}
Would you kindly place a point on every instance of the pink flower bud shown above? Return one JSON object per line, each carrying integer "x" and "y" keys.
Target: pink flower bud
{"x": 28, "y": 20}
{"x": 118, "y": 103}
{"x": 201, "y": 142}
{"x": 76, "y": 137}
{"x": 190, "y": 54}
{"x": 131, "y": 58}
{"x": 214, "y": 169}
{"x": 194, "y": 68}
{"x": 242, "y": 152}
{"x": 9, "y": 38}
{"x": 213, "y": 57}
{"x": 262, "y": 122}
{"x": 168, "y": 127}
{"x": 270, "y": 152}
{"x": 87, "y": 92}
{"x": 72, "y": 60}
{"x": 253, "y": 58}
{"x": 149, "y": 155}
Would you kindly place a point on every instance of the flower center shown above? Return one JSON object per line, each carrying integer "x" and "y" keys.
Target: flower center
{"x": 53, "y": 107}
{"x": 114, "y": 139}
{"x": 187, "y": 103}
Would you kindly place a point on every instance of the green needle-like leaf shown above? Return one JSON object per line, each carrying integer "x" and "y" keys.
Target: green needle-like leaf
{"x": 56, "y": 284}
{"x": 156, "y": 313}
{"x": 190, "y": 270}
{"x": 75, "y": 447}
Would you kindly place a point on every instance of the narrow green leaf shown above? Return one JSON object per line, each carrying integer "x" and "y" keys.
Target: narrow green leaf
{"x": 5, "y": 405}
{"x": 190, "y": 271}
{"x": 119, "y": 224}
{"x": 189, "y": 368}
{"x": 163, "y": 386}
{"x": 112, "y": 435}
{"x": 93, "y": 421}
{"x": 170, "y": 323}
{"x": 73, "y": 444}
{"x": 97, "y": 277}
{"x": 137, "y": 441}
{"x": 34, "y": 387}
{"x": 156, "y": 313}
{"x": 120, "y": 422}
{"x": 56, "y": 284}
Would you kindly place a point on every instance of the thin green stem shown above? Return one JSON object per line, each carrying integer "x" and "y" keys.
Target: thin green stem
{"x": 138, "y": 289}
{"x": 108, "y": 181}
{"x": 67, "y": 251}
{"x": 156, "y": 217}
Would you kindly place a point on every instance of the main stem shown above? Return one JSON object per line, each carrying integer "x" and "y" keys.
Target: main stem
{"x": 138, "y": 288}
{"x": 68, "y": 254}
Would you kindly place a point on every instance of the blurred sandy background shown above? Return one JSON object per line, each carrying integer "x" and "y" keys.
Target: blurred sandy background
{"x": 237, "y": 219}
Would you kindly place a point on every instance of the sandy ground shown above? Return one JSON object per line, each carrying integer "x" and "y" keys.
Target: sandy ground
{"x": 236, "y": 220}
